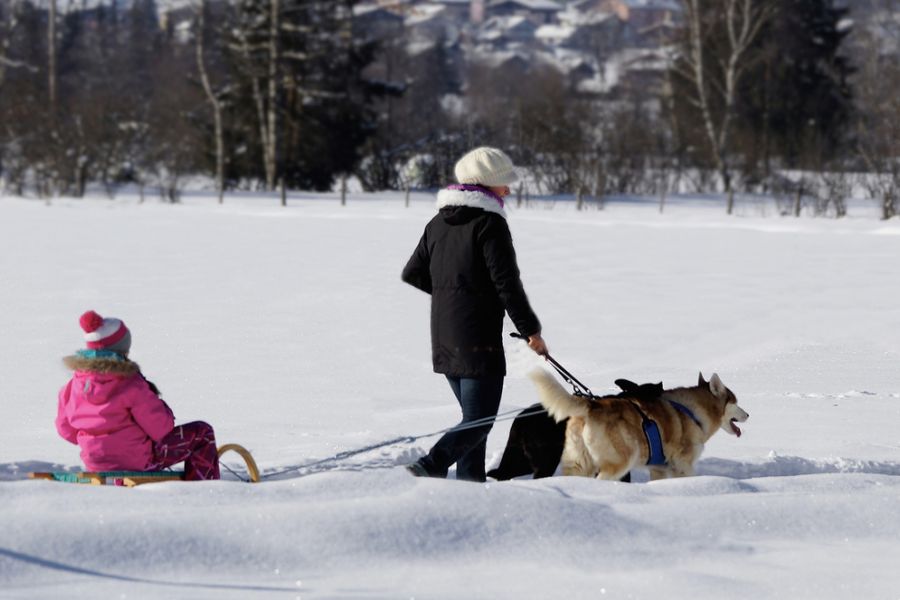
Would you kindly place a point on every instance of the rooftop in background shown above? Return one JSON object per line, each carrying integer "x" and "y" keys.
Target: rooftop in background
{"x": 529, "y": 4}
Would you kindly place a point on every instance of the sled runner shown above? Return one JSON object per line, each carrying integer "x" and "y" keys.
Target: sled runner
{"x": 120, "y": 478}
{"x": 252, "y": 469}
{"x": 134, "y": 478}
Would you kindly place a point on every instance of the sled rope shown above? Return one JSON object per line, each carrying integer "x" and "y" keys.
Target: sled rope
{"x": 233, "y": 472}
{"x": 504, "y": 416}
{"x": 580, "y": 390}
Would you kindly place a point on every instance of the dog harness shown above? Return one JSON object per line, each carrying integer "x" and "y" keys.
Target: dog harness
{"x": 651, "y": 431}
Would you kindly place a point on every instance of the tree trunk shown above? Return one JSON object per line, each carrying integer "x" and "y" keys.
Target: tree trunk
{"x": 663, "y": 190}
{"x": 263, "y": 133}
{"x": 51, "y": 57}
{"x": 172, "y": 193}
{"x": 766, "y": 143}
{"x": 265, "y": 103}
{"x": 80, "y": 180}
{"x": 52, "y": 93}
{"x": 271, "y": 150}
{"x": 9, "y": 27}
{"x": 214, "y": 102}
{"x": 743, "y": 21}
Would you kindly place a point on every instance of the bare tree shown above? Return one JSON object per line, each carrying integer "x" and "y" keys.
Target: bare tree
{"x": 12, "y": 165}
{"x": 258, "y": 43}
{"x": 289, "y": 52}
{"x": 214, "y": 97}
{"x": 670, "y": 147}
{"x": 270, "y": 137}
{"x": 837, "y": 187}
{"x": 884, "y": 186}
{"x": 714, "y": 72}
{"x": 9, "y": 22}
{"x": 878, "y": 115}
{"x": 790, "y": 194}
{"x": 52, "y": 72}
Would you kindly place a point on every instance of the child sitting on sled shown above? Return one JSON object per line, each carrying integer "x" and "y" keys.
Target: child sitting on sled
{"x": 116, "y": 416}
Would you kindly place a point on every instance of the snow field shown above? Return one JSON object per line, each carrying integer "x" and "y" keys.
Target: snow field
{"x": 289, "y": 330}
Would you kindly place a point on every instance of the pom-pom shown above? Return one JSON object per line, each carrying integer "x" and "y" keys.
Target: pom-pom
{"x": 90, "y": 321}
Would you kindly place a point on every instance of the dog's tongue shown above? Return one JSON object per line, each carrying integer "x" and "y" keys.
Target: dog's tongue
{"x": 735, "y": 428}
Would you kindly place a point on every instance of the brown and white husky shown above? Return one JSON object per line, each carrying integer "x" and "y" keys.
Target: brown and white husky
{"x": 605, "y": 437}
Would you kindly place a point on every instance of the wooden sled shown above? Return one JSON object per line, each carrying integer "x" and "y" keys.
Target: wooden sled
{"x": 120, "y": 478}
{"x": 134, "y": 478}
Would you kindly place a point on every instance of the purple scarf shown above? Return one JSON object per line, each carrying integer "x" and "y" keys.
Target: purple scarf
{"x": 476, "y": 188}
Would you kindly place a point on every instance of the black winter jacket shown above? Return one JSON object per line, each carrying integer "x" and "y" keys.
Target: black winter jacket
{"x": 466, "y": 261}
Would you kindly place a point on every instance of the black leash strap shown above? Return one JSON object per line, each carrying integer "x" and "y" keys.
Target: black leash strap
{"x": 580, "y": 388}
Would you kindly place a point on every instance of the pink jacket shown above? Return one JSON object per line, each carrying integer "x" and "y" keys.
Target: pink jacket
{"x": 109, "y": 410}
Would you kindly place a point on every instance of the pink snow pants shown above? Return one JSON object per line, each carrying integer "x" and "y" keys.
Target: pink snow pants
{"x": 195, "y": 444}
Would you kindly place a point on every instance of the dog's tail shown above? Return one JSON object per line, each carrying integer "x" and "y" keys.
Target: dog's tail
{"x": 560, "y": 404}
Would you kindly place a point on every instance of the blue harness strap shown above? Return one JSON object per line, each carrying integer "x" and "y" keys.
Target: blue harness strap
{"x": 654, "y": 443}
{"x": 654, "y": 439}
{"x": 685, "y": 410}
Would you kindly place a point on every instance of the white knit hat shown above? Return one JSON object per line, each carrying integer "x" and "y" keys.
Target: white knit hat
{"x": 485, "y": 166}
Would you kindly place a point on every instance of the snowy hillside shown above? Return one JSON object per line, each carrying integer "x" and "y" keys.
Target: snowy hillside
{"x": 289, "y": 330}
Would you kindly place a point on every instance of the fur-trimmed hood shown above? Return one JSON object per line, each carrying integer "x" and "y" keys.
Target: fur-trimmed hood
{"x": 103, "y": 366}
{"x": 471, "y": 196}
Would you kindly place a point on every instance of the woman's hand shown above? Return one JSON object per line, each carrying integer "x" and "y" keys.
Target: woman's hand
{"x": 537, "y": 343}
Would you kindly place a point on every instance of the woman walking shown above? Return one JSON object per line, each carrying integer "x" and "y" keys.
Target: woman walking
{"x": 465, "y": 260}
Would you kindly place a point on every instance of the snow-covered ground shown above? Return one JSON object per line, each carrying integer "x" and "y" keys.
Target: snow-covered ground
{"x": 289, "y": 330}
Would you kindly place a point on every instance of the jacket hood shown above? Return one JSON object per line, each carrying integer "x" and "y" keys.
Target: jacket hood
{"x": 104, "y": 366}
{"x": 467, "y": 198}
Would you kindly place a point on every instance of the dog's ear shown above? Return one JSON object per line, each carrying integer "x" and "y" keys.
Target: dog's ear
{"x": 626, "y": 385}
{"x": 717, "y": 387}
{"x": 702, "y": 382}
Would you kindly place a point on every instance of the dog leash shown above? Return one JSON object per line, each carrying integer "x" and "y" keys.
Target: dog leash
{"x": 580, "y": 388}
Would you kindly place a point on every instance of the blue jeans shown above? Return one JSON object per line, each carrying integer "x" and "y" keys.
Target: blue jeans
{"x": 478, "y": 398}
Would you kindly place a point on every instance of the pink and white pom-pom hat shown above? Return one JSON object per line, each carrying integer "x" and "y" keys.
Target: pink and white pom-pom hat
{"x": 100, "y": 333}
